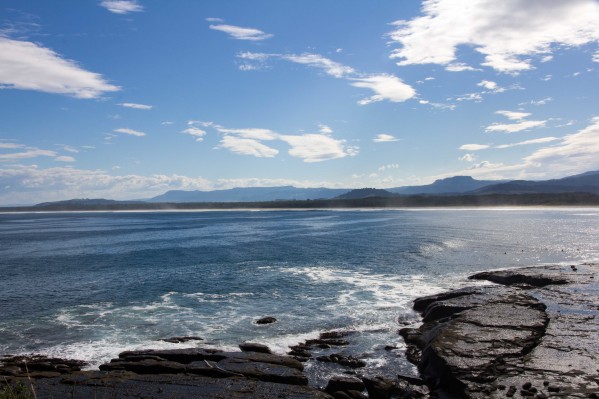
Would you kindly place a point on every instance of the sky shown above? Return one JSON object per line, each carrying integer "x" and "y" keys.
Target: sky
{"x": 127, "y": 99}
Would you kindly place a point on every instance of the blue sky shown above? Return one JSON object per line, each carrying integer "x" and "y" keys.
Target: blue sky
{"x": 129, "y": 99}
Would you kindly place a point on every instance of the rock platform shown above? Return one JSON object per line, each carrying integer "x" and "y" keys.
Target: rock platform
{"x": 535, "y": 335}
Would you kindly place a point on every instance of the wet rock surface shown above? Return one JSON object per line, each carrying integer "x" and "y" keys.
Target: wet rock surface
{"x": 535, "y": 335}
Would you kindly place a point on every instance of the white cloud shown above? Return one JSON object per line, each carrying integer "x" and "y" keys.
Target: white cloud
{"x": 318, "y": 61}
{"x": 468, "y": 158}
{"x": 166, "y": 123}
{"x": 317, "y": 147}
{"x": 487, "y": 84}
{"x": 121, "y": 6}
{"x": 325, "y": 129}
{"x": 429, "y": 78}
{"x": 423, "y": 102}
{"x": 250, "y": 133}
{"x": 386, "y": 87}
{"x": 514, "y": 116}
{"x": 130, "y": 132}
{"x": 214, "y": 19}
{"x": 388, "y": 167}
{"x": 527, "y": 142}
{"x": 460, "y": 67}
{"x": 577, "y": 152}
{"x": 195, "y": 132}
{"x": 382, "y": 138}
{"x": 547, "y": 58}
{"x": 542, "y": 101}
{"x": 29, "y": 152}
{"x": 596, "y": 56}
{"x": 28, "y": 66}
{"x": 505, "y": 32}
{"x": 474, "y": 147}
{"x": 64, "y": 158}
{"x": 247, "y": 147}
{"x": 136, "y": 106}
{"x": 239, "y": 33}
{"x": 514, "y": 127}
{"x": 476, "y": 97}
{"x": 10, "y": 145}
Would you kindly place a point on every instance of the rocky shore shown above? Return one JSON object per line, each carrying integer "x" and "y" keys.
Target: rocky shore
{"x": 534, "y": 334}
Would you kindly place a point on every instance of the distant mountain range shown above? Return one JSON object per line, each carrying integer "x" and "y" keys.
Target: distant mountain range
{"x": 459, "y": 185}
{"x": 249, "y": 194}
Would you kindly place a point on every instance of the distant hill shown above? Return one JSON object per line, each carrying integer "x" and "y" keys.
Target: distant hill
{"x": 450, "y": 185}
{"x": 365, "y": 193}
{"x": 249, "y": 194}
{"x": 584, "y": 183}
{"x": 86, "y": 201}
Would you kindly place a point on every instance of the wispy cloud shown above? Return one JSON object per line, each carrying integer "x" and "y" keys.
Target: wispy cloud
{"x": 130, "y": 132}
{"x": 240, "y": 33}
{"x": 541, "y": 140}
{"x": 384, "y": 138}
{"x": 64, "y": 158}
{"x": 318, "y": 61}
{"x": 514, "y": 116}
{"x": 468, "y": 158}
{"x": 474, "y": 147}
{"x": 509, "y": 34}
{"x": 520, "y": 125}
{"x": 121, "y": 6}
{"x": 29, "y": 152}
{"x": 195, "y": 132}
{"x": 244, "y": 146}
{"x": 29, "y": 66}
{"x": 136, "y": 106}
{"x": 325, "y": 129}
{"x": 460, "y": 67}
{"x": 385, "y": 86}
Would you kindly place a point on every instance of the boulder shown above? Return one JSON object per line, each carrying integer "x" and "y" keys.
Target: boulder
{"x": 344, "y": 383}
{"x": 266, "y": 320}
{"x": 254, "y": 347}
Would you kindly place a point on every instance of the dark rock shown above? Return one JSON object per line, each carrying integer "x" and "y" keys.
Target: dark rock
{"x": 538, "y": 329}
{"x": 531, "y": 276}
{"x": 254, "y": 347}
{"x": 379, "y": 387}
{"x": 344, "y": 383}
{"x": 413, "y": 380}
{"x": 147, "y": 366}
{"x": 334, "y": 334}
{"x": 10, "y": 370}
{"x": 264, "y": 371}
{"x": 265, "y": 358}
{"x": 329, "y": 342}
{"x": 420, "y": 304}
{"x": 411, "y": 336}
{"x": 341, "y": 395}
{"x": 347, "y": 361}
{"x": 179, "y": 340}
{"x": 183, "y": 356}
{"x": 355, "y": 394}
{"x": 413, "y": 354}
{"x": 266, "y": 320}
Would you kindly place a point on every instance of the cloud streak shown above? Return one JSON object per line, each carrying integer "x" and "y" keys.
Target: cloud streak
{"x": 385, "y": 86}
{"x": 121, "y": 6}
{"x": 240, "y": 33}
{"x": 29, "y": 66}
{"x": 130, "y": 132}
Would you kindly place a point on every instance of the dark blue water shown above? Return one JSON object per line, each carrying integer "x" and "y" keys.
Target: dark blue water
{"x": 89, "y": 285}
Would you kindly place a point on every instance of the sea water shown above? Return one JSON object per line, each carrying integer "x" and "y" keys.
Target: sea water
{"x": 90, "y": 285}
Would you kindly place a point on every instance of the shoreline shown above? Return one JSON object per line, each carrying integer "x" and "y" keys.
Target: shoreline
{"x": 545, "y": 303}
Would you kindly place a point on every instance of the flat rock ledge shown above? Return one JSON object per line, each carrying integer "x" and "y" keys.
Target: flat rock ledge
{"x": 177, "y": 373}
{"x": 534, "y": 335}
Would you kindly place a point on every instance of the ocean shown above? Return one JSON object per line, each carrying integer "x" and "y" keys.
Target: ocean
{"x": 90, "y": 285}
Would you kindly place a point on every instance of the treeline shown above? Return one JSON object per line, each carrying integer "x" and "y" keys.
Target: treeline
{"x": 402, "y": 201}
